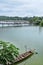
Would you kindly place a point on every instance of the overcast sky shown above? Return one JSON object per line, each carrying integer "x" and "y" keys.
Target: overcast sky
{"x": 21, "y": 8}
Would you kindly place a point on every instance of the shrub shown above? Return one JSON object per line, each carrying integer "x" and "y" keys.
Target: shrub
{"x": 8, "y": 53}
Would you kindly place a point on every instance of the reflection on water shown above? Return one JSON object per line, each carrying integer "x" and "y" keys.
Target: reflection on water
{"x": 40, "y": 29}
{"x": 26, "y": 38}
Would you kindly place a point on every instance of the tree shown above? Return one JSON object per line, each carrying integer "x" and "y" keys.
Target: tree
{"x": 8, "y": 53}
{"x": 41, "y": 23}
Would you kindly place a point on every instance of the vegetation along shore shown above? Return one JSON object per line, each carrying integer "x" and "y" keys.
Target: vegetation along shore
{"x": 9, "y": 53}
{"x": 35, "y": 20}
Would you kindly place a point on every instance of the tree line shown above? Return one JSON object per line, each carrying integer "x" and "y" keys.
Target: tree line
{"x": 32, "y": 20}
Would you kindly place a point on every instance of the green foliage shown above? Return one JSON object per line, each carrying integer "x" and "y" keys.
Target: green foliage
{"x": 32, "y": 20}
{"x": 8, "y": 53}
{"x": 41, "y": 23}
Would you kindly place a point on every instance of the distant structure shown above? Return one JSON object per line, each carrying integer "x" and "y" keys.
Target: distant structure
{"x": 13, "y": 23}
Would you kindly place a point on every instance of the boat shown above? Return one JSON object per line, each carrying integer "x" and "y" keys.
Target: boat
{"x": 23, "y": 56}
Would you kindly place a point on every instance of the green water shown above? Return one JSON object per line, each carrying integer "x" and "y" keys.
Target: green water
{"x": 31, "y": 36}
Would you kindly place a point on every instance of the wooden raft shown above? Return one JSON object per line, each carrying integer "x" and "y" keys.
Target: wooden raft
{"x": 23, "y": 56}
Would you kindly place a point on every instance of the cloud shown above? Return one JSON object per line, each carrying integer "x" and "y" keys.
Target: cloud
{"x": 21, "y": 7}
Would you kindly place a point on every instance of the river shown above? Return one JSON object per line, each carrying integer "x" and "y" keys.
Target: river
{"x": 30, "y": 37}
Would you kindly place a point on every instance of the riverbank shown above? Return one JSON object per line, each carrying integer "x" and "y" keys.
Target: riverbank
{"x": 35, "y": 20}
{"x": 19, "y": 23}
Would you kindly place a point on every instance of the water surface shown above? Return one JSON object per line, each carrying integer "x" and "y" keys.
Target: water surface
{"x": 31, "y": 36}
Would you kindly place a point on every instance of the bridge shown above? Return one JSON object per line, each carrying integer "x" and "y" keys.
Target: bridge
{"x": 13, "y": 23}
